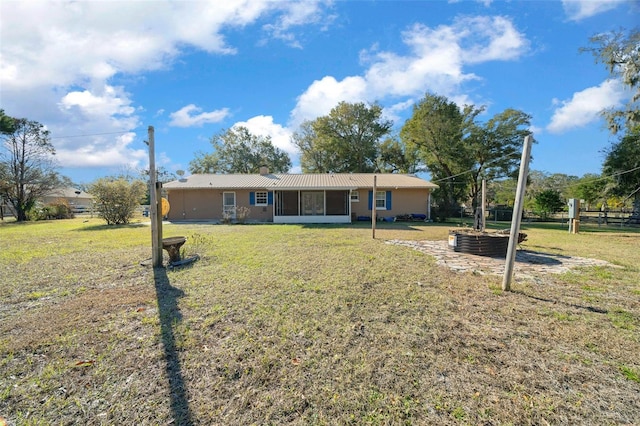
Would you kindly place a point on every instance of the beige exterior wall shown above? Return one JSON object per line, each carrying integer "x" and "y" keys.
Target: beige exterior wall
{"x": 403, "y": 201}
{"x": 206, "y": 204}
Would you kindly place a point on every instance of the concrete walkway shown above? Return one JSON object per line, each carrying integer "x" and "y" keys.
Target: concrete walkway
{"x": 528, "y": 263}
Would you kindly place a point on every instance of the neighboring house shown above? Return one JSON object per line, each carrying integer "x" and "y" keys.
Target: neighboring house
{"x": 79, "y": 201}
{"x": 298, "y": 198}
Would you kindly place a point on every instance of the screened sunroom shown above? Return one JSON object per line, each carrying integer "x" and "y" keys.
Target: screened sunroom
{"x": 312, "y": 206}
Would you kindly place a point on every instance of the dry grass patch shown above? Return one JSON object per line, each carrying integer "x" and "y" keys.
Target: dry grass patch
{"x": 310, "y": 325}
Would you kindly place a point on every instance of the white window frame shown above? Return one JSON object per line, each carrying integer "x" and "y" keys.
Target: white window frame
{"x": 229, "y": 209}
{"x": 381, "y": 196}
{"x": 354, "y": 196}
{"x": 264, "y": 195}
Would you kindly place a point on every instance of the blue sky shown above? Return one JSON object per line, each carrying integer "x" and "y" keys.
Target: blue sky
{"x": 97, "y": 74}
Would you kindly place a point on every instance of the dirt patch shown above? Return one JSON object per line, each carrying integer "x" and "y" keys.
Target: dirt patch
{"x": 85, "y": 311}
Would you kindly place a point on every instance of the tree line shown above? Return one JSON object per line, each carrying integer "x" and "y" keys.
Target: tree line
{"x": 448, "y": 141}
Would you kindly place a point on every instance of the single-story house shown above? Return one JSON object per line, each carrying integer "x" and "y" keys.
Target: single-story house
{"x": 78, "y": 200}
{"x": 297, "y": 198}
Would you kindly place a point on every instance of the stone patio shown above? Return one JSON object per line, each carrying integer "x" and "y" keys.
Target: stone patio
{"x": 528, "y": 263}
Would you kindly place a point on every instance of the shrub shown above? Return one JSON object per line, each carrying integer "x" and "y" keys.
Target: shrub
{"x": 58, "y": 209}
{"x": 241, "y": 214}
{"x": 548, "y": 202}
{"x": 117, "y": 199}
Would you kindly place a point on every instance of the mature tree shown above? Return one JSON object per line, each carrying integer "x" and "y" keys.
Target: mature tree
{"x": 494, "y": 146}
{"x": 396, "y": 157}
{"x": 591, "y": 188}
{"x": 236, "y": 150}
{"x": 7, "y": 124}
{"x": 162, "y": 175}
{"x": 620, "y": 53}
{"x": 622, "y": 163}
{"x": 345, "y": 140}
{"x": 27, "y": 169}
{"x": 314, "y": 158}
{"x": 117, "y": 198}
{"x": 538, "y": 182}
{"x": 548, "y": 202}
{"x": 502, "y": 192}
{"x": 436, "y": 131}
{"x": 459, "y": 151}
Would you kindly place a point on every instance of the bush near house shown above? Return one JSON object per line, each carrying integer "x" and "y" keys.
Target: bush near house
{"x": 117, "y": 199}
{"x": 60, "y": 209}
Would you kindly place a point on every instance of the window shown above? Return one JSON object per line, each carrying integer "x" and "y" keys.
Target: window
{"x": 381, "y": 200}
{"x": 261, "y": 198}
{"x": 355, "y": 196}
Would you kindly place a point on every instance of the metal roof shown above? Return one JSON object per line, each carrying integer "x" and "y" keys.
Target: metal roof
{"x": 299, "y": 181}
{"x": 68, "y": 192}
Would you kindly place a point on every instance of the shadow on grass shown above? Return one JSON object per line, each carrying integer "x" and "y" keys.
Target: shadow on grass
{"x": 105, "y": 227}
{"x": 170, "y": 315}
{"x": 539, "y": 258}
{"x": 570, "y": 305}
{"x": 398, "y": 226}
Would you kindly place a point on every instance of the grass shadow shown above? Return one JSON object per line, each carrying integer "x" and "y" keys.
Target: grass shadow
{"x": 170, "y": 315}
{"x": 570, "y": 305}
{"x": 539, "y": 258}
{"x": 105, "y": 227}
{"x": 398, "y": 226}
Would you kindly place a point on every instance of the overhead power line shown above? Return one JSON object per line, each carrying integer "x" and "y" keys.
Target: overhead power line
{"x": 92, "y": 134}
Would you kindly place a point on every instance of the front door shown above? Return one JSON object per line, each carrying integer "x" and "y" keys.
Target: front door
{"x": 312, "y": 203}
{"x": 229, "y": 205}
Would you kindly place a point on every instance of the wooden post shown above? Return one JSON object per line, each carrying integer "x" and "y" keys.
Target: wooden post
{"x": 159, "y": 218}
{"x": 154, "y": 213}
{"x": 517, "y": 214}
{"x": 484, "y": 204}
{"x": 373, "y": 207}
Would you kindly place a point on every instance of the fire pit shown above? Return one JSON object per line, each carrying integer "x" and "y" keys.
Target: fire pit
{"x": 492, "y": 244}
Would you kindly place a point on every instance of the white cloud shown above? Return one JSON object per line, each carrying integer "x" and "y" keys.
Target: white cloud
{"x": 585, "y": 106}
{"x": 112, "y": 101}
{"x": 435, "y": 62}
{"x": 489, "y": 39}
{"x": 298, "y": 14}
{"x": 577, "y": 10}
{"x": 191, "y": 115}
{"x": 324, "y": 94}
{"x": 263, "y": 125}
{"x": 95, "y": 129}
{"x": 536, "y": 130}
{"x": 391, "y": 112}
{"x": 57, "y": 60}
{"x": 103, "y": 152}
{"x": 88, "y": 41}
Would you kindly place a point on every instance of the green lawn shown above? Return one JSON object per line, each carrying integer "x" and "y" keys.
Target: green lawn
{"x": 288, "y": 324}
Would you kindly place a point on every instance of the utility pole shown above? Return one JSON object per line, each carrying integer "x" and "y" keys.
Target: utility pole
{"x": 373, "y": 207}
{"x": 154, "y": 214}
{"x": 517, "y": 213}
